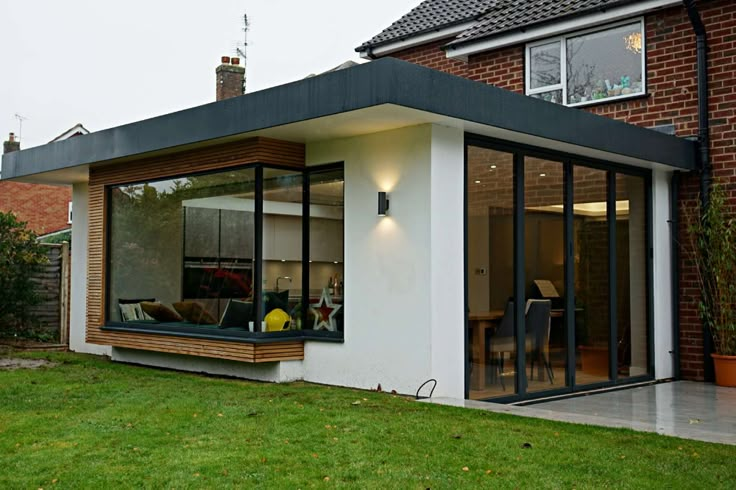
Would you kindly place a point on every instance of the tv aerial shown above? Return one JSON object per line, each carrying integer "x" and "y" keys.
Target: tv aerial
{"x": 20, "y": 125}
{"x": 242, "y": 49}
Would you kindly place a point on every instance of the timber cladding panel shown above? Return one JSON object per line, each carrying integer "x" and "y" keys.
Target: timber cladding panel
{"x": 256, "y": 150}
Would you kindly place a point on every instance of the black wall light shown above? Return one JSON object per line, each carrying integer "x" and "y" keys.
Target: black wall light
{"x": 382, "y": 204}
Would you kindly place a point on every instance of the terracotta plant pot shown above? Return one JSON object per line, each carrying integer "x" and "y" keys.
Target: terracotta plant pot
{"x": 725, "y": 370}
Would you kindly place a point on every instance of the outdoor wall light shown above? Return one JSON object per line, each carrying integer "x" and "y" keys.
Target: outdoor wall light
{"x": 382, "y": 204}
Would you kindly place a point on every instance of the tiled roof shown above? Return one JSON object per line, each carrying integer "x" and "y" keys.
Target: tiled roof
{"x": 430, "y": 15}
{"x": 491, "y": 16}
{"x": 510, "y": 14}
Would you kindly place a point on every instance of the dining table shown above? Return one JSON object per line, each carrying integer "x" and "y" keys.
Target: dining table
{"x": 481, "y": 324}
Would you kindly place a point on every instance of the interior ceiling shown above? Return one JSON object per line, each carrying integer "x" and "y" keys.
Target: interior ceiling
{"x": 364, "y": 121}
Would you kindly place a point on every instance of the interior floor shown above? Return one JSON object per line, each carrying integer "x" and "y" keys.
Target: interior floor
{"x": 494, "y": 388}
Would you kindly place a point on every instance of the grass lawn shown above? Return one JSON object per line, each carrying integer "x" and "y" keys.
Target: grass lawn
{"x": 90, "y": 423}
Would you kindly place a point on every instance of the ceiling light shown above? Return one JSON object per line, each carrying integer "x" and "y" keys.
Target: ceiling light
{"x": 477, "y": 181}
{"x": 542, "y": 175}
{"x": 493, "y": 167}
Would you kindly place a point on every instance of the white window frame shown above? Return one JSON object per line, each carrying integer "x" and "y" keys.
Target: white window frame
{"x": 562, "y": 40}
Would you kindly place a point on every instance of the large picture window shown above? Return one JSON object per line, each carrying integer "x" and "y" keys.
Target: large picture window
{"x": 222, "y": 253}
{"x": 590, "y": 67}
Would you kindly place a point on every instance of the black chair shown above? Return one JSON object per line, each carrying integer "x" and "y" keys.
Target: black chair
{"x": 538, "y": 322}
{"x": 503, "y": 341}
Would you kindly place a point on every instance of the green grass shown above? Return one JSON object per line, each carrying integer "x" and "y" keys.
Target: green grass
{"x": 91, "y": 423}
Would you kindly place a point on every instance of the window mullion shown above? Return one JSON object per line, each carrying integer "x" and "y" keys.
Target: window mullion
{"x": 563, "y": 68}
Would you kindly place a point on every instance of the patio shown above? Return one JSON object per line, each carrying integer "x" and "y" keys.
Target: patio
{"x": 686, "y": 409}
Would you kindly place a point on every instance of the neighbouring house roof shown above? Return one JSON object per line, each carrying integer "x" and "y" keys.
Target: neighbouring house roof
{"x": 487, "y": 18}
{"x": 76, "y": 130}
{"x": 341, "y": 66}
{"x": 372, "y": 97}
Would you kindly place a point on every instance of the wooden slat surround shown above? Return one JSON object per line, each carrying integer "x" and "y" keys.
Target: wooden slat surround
{"x": 256, "y": 150}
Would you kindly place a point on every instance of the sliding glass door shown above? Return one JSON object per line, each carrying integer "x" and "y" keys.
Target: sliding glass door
{"x": 544, "y": 274}
{"x": 491, "y": 326}
{"x": 558, "y": 274}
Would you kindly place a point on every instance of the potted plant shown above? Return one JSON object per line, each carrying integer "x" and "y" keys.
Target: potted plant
{"x": 712, "y": 250}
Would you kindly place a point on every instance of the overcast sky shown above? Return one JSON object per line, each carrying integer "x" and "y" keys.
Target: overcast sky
{"x": 104, "y": 63}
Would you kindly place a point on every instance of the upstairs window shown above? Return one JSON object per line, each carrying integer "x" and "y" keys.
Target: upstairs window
{"x": 589, "y": 67}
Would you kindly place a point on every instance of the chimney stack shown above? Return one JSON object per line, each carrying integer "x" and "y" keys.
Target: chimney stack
{"x": 230, "y": 78}
{"x": 11, "y": 145}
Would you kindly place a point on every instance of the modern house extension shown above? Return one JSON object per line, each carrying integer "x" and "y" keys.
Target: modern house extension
{"x": 387, "y": 223}
{"x": 662, "y": 64}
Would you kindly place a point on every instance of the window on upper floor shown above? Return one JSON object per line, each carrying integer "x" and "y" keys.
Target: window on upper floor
{"x": 588, "y": 67}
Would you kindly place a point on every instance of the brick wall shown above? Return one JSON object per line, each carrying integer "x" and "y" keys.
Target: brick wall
{"x": 44, "y": 207}
{"x": 672, "y": 89}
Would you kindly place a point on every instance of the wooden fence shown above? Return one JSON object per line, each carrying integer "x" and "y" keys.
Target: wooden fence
{"x": 52, "y": 283}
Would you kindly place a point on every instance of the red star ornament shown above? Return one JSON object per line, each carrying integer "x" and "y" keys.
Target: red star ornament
{"x": 324, "y": 313}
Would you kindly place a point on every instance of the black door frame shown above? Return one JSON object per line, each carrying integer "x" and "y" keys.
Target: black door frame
{"x": 568, "y": 161}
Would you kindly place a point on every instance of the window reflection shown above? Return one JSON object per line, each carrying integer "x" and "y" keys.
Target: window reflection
{"x": 181, "y": 253}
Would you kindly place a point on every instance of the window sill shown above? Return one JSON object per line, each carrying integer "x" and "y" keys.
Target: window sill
{"x": 224, "y": 334}
{"x": 612, "y": 100}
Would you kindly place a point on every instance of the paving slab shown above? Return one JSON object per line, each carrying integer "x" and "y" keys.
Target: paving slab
{"x": 698, "y": 411}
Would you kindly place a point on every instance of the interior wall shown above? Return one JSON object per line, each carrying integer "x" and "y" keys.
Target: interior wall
{"x": 387, "y": 263}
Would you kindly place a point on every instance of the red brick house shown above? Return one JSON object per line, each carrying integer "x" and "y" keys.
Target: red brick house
{"x": 46, "y": 208}
{"x": 635, "y": 61}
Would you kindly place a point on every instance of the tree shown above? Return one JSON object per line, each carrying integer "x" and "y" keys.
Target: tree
{"x": 20, "y": 256}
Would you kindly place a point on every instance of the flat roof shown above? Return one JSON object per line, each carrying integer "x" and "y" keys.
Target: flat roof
{"x": 374, "y": 90}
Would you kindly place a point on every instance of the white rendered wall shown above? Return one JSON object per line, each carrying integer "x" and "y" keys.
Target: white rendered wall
{"x": 279, "y": 372}
{"x": 662, "y": 287}
{"x": 403, "y": 272}
{"x": 78, "y": 310}
{"x": 448, "y": 261}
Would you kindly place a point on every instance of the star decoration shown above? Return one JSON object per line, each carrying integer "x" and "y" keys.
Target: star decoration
{"x": 324, "y": 313}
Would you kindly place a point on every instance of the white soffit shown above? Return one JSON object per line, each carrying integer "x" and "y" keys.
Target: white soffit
{"x": 62, "y": 177}
{"x": 370, "y": 53}
{"x": 518, "y": 36}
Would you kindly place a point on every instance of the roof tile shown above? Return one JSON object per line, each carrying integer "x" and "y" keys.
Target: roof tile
{"x": 430, "y": 15}
{"x": 492, "y": 16}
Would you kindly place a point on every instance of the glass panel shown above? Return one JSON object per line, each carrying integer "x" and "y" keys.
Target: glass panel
{"x": 545, "y": 274}
{"x": 282, "y": 249}
{"x": 554, "y": 96}
{"x": 181, "y": 249}
{"x": 326, "y": 195}
{"x": 490, "y": 272}
{"x": 591, "y": 237}
{"x": 544, "y": 65}
{"x": 632, "y": 291}
{"x": 605, "y": 64}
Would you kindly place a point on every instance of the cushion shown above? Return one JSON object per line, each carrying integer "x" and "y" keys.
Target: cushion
{"x": 160, "y": 312}
{"x": 194, "y": 312}
{"x": 237, "y": 314}
{"x": 131, "y": 311}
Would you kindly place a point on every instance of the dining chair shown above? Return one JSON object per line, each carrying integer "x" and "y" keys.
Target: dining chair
{"x": 503, "y": 341}
{"x": 538, "y": 323}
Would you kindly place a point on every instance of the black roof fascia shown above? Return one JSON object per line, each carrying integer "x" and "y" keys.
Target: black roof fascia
{"x": 385, "y": 81}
